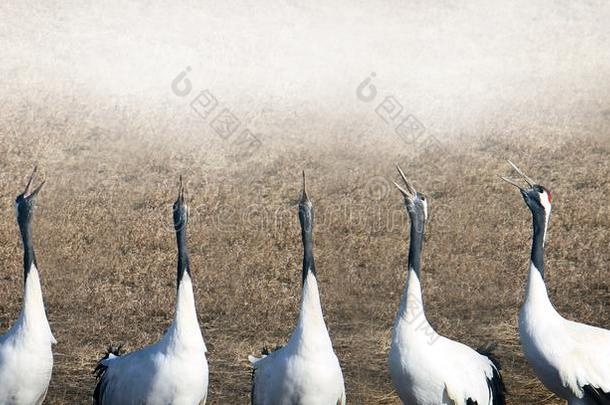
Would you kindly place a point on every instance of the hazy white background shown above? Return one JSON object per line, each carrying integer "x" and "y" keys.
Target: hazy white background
{"x": 455, "y": 65}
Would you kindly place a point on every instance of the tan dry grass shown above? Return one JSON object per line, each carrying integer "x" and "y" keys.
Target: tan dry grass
{"x": 107, "y": 254}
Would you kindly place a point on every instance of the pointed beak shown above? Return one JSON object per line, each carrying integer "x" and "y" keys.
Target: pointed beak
{"x": 29, "y": 194}
{"x": 528, "y": 180}
{"x": 409, "y": 190}
{"x": 514, "y": 183}
{"x": 37, "y": 189}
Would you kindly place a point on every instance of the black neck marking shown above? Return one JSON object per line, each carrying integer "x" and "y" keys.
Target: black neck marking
{"x": 25, "y": 210}
{"x": 306, "y": 218}
{"x": 29, "y": 256}
{"x": 180, "y": 216}
{"x": 539, "y": 229}
{"x": 416, "y": 241}
{"x": 183, "y": 256}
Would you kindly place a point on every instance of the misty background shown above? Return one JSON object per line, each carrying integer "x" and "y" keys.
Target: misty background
{"x": 291, "y": 68}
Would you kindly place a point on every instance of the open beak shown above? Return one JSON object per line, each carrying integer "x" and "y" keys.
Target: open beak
{"x": 29, "y": 194}
{"x": 523, "y": 175}
{"x": 409, "y": 190}
{"x": 181, "y": 191}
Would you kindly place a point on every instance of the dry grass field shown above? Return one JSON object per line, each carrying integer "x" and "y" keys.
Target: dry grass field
{"x": 107, "y": 253}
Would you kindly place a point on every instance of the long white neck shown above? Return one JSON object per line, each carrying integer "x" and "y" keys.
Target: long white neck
{"x": 185, "y": 330}
{"x": 311, "y": 333}
{"x": 33, "y": 317}
{"x": 411, "y": 312}
{"x": 536, "y": 295}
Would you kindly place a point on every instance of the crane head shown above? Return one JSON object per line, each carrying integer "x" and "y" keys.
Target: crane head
{"x": 24, "y": 203}
{"x": 180, "y": 209}
{"x": 416, "y": 202}
{"x": 537, "y": 197}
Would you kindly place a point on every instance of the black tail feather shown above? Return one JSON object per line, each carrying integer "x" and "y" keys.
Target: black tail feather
{"x": 100, "y": 370}
{"x": 265, "y": 352}
{"x": 487, "y": 350}
{"x": 596, "y": 395}
{"x": 496, "y": 385}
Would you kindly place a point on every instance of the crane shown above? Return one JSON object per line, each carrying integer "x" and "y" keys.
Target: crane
{"x": 174, "y": 370}
{"x": 306, "y": 371}
{"x": 426, "y": 368}
{"x": 26, "y": 356}
{"x": 571, "y": 359}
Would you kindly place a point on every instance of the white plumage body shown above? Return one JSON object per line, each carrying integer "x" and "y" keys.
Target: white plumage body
{"x": 565, "y": 355}
{"x": 26, "y": 357}
{"x": 172, "y": 371}
{"x": 428, "y": 369}
{"x": 306, "y": 371}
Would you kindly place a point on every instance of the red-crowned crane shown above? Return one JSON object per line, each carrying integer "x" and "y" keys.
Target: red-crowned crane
{"x": 26, "y": 358}
{"x": 173, "y": 370}
{"x": 428, "y": 369}
{"x": 306, "y": 371}
{"x": 571, "y": 359}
